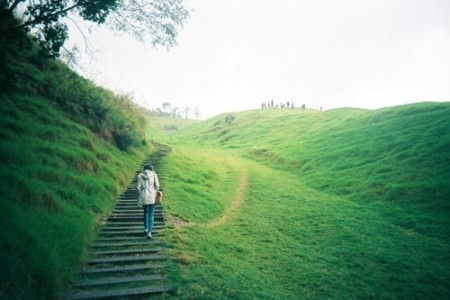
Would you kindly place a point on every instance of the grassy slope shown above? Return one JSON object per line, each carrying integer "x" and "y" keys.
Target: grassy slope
{"x": 56, "y": 179}
{"x": 159, "y": 127}
{"x": 350, "y": 204}
{"x": 400, "y": 155}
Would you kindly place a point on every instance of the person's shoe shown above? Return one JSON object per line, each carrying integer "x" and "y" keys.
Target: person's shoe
{"x": 149, "y": 235}
{"x": 145, "y": 230}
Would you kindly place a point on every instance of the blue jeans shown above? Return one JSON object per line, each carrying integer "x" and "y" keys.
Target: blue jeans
{"x": 149, "y": 211}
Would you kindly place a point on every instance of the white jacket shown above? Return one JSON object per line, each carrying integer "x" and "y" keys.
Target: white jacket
{"x": 147, "y": 185}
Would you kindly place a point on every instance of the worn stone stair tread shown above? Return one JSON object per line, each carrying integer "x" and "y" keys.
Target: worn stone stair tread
{"x": 119, "y": 228}
{"x": 140, "y": 223}
{"x": 133, "y": 215}
{"x": 122, "y": 269}
{"x": 113, "y": 280}
{"x": 125, "y": 239}
{"x": 135, "y": 211}
{"x": 124, "y": 259}
{"x": 120, "y": 292}
{"x": 115, "y": 252}
{"x": 137, "y": 217}
{"x": 133, "y": 206}
{"x": 135, "y": 233}
{"x": 132, "y": 219}
{"x": 130, "y": 232}
{"x": 142, "y": 243}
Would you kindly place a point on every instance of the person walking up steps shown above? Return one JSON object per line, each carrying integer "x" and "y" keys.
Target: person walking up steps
{"x": 148, "y": 186}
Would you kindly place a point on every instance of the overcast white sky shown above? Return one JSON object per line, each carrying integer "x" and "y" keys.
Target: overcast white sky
{"x": 235, "y": 54}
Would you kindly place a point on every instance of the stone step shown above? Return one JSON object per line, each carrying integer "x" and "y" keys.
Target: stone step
{"x": 140, "y": 223}
{"x": 122, "y": 239}
{"x": 131, "y": 219}
{"x": 119, "y": 252}
{"x": 129, "y": 244}
{"x": 109, "y": 293}
{"x": 130, "y": 228}
{"x": 123, "y": 269}
{"x": 115, "y": 280}
{"x": 128, "y": 233}
{"x": 134, "y": 211}
{"x": 124, "y": 259}
{"x": 132, "y": 203}
{"x": 134, "y": 215}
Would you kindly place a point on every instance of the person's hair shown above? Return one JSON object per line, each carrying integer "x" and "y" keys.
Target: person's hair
{"x": 148, "y": 167}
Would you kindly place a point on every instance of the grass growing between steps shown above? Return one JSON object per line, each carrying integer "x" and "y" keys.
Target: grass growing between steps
{"x": 56, "y": 179}
{"x": 289, "y": 241}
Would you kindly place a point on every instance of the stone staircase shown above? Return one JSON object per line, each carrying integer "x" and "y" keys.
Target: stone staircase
{"x": 123, "y": 263}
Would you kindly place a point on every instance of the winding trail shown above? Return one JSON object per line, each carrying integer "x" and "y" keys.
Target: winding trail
{"x": 235, "y": 205}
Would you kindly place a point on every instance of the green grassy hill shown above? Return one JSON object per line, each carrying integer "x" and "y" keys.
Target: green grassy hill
{"x": 342, "y": 204}
{"x": 400, "y": 155}
{"x": 67, "y": 150}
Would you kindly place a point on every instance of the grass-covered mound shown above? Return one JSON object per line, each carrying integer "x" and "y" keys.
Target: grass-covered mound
{"x": 67, "y": 149}
{"x": 343, "y": 204}
{"x": 400, "y": 155}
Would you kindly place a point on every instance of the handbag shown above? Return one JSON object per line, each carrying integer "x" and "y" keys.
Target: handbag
{"x": 158, "y": 198}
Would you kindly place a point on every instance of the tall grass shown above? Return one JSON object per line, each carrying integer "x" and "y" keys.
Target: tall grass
{"x": 197, "y": 179}
{"x": 400, "y": 155}
{"x": 57, "y": 179}
{"x": 112, "y": 117}
{"x": 344, "y": 204}
{"x": 290, "y": 241}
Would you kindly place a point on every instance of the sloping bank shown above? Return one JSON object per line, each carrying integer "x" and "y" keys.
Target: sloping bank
{"x": 67, "y": 150}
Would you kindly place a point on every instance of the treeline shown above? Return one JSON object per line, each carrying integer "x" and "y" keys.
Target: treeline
{"x": 25, "y": 70}
{"x": 167, "y": 110}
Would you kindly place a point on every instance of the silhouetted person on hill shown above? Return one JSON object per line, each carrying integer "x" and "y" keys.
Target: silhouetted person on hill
{"x": 303, "y": 107}
{"x": 148, "y": 186}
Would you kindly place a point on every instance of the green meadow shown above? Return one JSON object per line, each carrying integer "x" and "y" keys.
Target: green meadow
{"x": 279, "y": 204}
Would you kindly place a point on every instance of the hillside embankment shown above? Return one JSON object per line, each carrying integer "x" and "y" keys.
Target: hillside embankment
{"x": 68, "y": 148}
{"x": 343, "y": 204}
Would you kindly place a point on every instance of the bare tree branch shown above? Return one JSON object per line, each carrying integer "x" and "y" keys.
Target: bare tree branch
{"x": 14, "y": 5}
{"x": 87, "y": 47}
{"x": 39, "y": 19}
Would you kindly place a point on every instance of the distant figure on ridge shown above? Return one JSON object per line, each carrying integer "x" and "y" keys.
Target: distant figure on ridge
{"x": 303, "y": 107}
{"x": 148, "y": 186}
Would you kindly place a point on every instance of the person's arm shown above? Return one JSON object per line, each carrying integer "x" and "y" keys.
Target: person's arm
{"x": 156, "y": 182}
{"x": 139, "y": 183}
